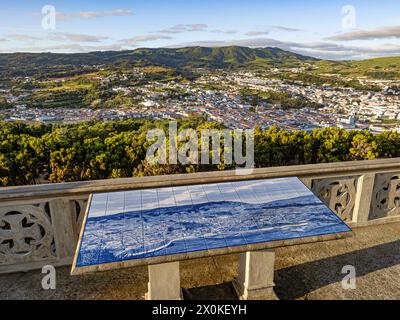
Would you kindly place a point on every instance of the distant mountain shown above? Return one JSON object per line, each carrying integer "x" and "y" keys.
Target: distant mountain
{"x": 232, "y": 57}
{"x": 221, "y": 57}
{"x": 200, "y": 57}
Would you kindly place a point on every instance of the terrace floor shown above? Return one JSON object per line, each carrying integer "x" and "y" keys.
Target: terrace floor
{"x": 310, "y": 271}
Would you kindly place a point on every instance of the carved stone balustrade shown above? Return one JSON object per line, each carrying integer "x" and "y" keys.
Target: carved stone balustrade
{"x": 40, "y": 224}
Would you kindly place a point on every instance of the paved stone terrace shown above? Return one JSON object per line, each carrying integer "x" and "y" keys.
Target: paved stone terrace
{"x": 302, "y": 272}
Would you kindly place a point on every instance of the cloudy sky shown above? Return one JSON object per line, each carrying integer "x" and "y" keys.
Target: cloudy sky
{"x": 352, "y": 29}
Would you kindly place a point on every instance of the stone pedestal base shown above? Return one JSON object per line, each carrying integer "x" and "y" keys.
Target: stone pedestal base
{"x": 256, "y": 276}
{"x": 164, "y": 282}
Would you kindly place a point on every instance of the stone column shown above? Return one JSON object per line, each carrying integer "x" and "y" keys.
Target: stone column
{"x": 63, "y": 226}
{"x": 362, "y": 206}
{"x": 164, "y": 282}
{"x": 256, "y": 276}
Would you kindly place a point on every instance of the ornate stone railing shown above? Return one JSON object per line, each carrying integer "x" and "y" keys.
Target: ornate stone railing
{"x": 40, "y": 224}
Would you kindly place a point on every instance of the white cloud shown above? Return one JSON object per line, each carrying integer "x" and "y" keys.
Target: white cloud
{"x": 134, "y": 41}
{"x": 225, "y": 31}
{"x": 257, "y": 33}
{"x": 266, "y": 32}
{"x": 22, "y": 37}
{"x": 254, "y": 42}
{"x": 381, "y": 33}
{"x": 65, "y": 48}
{"x": 180, "y": 28}
{"x": 76, "y": 37}
{"x": 93, "y": 14}
{"x": 60, "y": 36}
{"x": 195, "y": 27}
{"x": 287, "y": 29}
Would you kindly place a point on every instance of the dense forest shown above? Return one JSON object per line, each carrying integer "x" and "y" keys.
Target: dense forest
{"x": 99, "y": 150}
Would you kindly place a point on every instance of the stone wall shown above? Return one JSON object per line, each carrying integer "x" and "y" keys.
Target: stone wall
{"x": 40, "y": 224}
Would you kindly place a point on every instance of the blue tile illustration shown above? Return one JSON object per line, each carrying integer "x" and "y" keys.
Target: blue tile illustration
{"x": 111, "y": 248}
{"x": 165, "y": 221}
{"x": 133, "y": 244}
{"x": 216, "y": 242}
{"x": 232, "y": 239}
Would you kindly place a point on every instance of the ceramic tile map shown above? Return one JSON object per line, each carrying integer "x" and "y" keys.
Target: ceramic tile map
{"x": 157, "y": 222}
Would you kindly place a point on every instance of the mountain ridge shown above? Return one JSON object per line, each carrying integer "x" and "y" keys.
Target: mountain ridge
{"x": 228, "y": 57}
{"x": 195, "y": 57}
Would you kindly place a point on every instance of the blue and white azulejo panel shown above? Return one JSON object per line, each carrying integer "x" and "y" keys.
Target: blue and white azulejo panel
{"x": 150, "y": 223}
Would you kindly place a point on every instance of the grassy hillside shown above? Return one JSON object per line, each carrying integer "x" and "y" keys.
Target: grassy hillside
{"x": 225, "y": 57}
{"x": 232, "y": 57}
{"x": 378, "y": 68}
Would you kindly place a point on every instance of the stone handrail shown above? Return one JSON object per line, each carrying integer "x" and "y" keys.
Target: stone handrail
{"x": 40, "y": 224}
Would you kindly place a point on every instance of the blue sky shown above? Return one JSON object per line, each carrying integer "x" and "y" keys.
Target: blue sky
{"x": 316, "y": 28}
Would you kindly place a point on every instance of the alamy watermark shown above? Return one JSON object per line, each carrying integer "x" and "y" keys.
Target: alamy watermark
{"x": 49, "y": 19}
{"x": 349, "y": 281}
{"x": 183, "y": 147}
{"x": 349, "y": 19}
{"x": 49, "y": 280}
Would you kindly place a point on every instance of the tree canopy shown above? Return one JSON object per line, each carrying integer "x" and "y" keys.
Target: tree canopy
{"x": 101, "y": 150}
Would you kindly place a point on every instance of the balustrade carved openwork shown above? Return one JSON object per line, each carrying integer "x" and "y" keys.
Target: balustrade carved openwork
{"x": 338, "y": 193}
{"x": 45, "y": 231}
{"x": 37, "y": 232}
{"x": 386, "y": 196}
{"x": 26, "y": 234}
